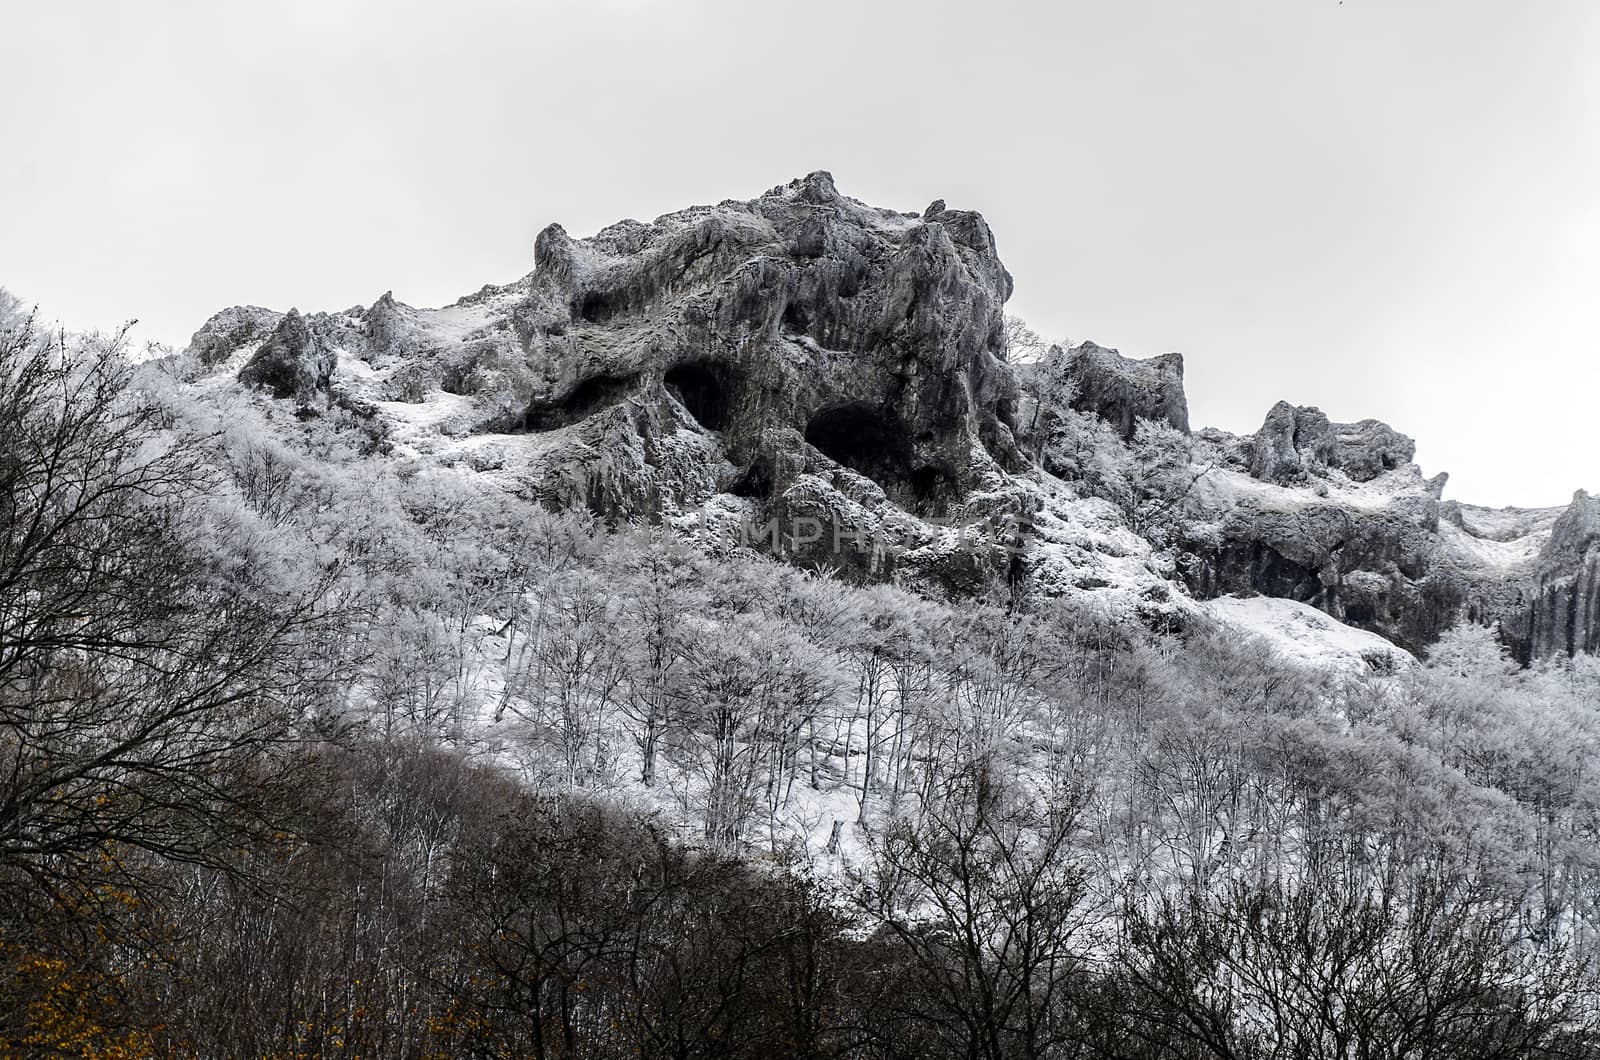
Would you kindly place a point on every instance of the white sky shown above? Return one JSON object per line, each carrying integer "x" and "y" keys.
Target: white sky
{"x": 1382, "y": 207}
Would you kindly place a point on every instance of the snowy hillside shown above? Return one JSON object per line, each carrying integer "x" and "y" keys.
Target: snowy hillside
{"x": 719, "y": 603}
{"x": 1302, "y": 633}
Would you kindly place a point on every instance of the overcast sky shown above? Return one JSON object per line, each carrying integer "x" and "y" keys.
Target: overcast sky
{"x": 1383, "y": 207}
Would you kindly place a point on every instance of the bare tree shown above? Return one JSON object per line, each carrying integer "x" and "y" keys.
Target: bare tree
{"x": 570, "y": 681}
{"x": 1416, "y": 967}
{"x": 653, "y": 640}
{"x": 146, "y": 685}
{"x": 987, "y": 905}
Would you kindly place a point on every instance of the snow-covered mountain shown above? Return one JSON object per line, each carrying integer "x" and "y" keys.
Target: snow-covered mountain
{"x": 375, "y": 658}
{"x": 830, "y": 382}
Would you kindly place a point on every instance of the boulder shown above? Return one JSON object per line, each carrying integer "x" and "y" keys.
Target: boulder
{"x": 1367, "y": 449}
{"x": 1293, "y": 444}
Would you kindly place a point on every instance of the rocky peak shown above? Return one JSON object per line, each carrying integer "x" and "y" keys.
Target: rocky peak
{"x": 385, "y": 326}
{"x": 801, "y": 330}
{"x": 1366, "y": 449}
{"x": 229, "y": 331}
{"x": 1294, "y": 443}
{"x": 1298, "y": 443}
{"x": 1572, "y": 537}
{"x": 296, "y": 361}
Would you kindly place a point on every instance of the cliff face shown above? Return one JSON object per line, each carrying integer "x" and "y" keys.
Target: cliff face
{"x": 1373, "y": 566}
{"x": 825, "y": 380}
{"x": 1562, "y": 614}
{"x": 1329, "y": 514}
{"x": 296, "y": 361}
{"x": 806, "y": 331}
{"x": 836, "y": 368}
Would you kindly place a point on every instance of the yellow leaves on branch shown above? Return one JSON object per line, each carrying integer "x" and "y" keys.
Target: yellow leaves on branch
{"x": 64, "y": 1012}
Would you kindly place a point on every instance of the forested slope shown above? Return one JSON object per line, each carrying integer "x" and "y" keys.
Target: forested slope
{"x": 308, "y": 748}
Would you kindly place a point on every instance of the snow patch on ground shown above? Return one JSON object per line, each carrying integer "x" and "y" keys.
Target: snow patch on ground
{"x": 1302, "y": 633}
{"x": 417, "y": 428}
{"x": 454, "y": 324}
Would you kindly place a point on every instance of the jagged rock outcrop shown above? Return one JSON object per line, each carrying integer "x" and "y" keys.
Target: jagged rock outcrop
{"x": 229, "y": 331}
{"x": 1297, "y": 443}
{"x": 1293, "y": 444}
{"x": 1122, "y": 390}
{"x": 1371, "y": 565}
{"x": 1366, "y": 449}
{"x": 386, "y": 328}
{"x": 296, "y": 361}
{"x": 837, "y": 361}
{"x": 825, "y": 380}
{"x": 1563, "y": 615}
{"x": 1349, "y": 525}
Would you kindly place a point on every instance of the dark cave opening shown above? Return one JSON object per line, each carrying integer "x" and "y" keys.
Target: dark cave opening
{"x": 1005, "y": 410}
{"x": 583, "y": 401}
{"x": 756, "y": 482}
{"x": 795, "y": 318}
{"x": 872, "y": 441}
{"x": 930, "y": 490}
{"x": 705, "y": 391}
{"x": 596, "y": 307}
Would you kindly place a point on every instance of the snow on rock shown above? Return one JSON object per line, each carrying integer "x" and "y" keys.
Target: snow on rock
{"x": 1302, "y": 633}
{"x": 837, "y": 373}
{"x": 1224, "y": 486}
{"x": 230, "y": 331}
{"x": 1489, "y": 552}
{"x": 1496, "y": 537}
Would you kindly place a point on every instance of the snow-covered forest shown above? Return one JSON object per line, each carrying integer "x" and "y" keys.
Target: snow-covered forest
{"x": 306, "y": 751}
